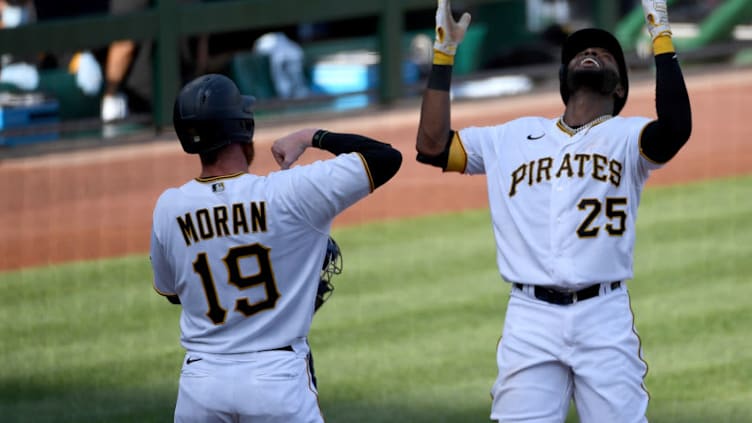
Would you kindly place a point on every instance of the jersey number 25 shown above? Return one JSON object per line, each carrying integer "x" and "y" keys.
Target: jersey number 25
{"x": 617, "y": 217}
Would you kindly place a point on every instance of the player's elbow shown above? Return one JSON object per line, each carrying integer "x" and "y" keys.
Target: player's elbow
{"x": 686, "y": 131}
{"x": 383, "y": 165}
{"x": 679, "y": 130}
{"x": 428, "y": 145}
{"x": 393, "y": 162}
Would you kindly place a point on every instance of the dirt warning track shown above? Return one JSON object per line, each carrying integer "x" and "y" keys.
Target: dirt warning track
{"x": 97, "y": 203}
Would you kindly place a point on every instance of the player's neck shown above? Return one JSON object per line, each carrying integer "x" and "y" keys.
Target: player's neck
{"x": 216, "y": 170}
{"x": 584, "y": 107}
{"x": 231, "y": 161}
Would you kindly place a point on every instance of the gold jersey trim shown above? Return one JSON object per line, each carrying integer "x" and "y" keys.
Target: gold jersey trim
{"x": 368, "y": 172}
{"x": 572, "y": 132}
{"x": 457, "y": 159}
{"x": 217, "y": 178}
{"x": 639, "y": 346}
{"x": 164, "y": 294}
{"x": 566, "y": 130}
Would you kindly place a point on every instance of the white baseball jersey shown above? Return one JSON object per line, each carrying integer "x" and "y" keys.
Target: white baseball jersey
{"x": 563, "y": 205}
{"x": 244, "y": 252}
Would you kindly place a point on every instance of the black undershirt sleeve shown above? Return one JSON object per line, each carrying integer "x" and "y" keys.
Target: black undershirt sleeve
{"x": 664, "y": 137}
{"x": 382, "y": 159}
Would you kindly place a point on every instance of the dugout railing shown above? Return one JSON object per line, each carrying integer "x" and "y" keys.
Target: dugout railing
{"x": 168, "y": 20}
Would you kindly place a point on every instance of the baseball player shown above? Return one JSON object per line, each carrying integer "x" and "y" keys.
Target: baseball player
{"x": 563, "y": 196}
{"x": 243, "y": 255}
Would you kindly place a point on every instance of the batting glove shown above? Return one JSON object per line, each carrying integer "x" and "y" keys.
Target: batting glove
{"x": 449, "y": 33}
{"x": 656, "y": 16}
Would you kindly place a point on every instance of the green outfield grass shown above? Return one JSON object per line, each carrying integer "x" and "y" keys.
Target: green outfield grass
{"x": 411, "y": 330}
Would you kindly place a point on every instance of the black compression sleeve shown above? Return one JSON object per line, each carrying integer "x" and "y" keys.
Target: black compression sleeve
{"x": 664, "y": 137}
{"x": 382, "y": 159}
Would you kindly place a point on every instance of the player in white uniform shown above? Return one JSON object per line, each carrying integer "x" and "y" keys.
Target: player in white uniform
{"x": 563, "y": 196}
{"x": 243, "y": 253}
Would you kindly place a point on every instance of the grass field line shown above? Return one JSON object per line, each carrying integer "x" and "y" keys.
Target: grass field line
{"x": 411, "y": 330}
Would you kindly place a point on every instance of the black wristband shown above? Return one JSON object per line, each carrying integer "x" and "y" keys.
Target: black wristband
{"x": 440, "y": 77}
{"x": 318, "y": 138}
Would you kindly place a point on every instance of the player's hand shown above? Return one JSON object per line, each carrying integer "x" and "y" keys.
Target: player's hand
{"x": 656, "y": 17}
{"x": 449, "y": 33}
{"x": 289, "y": 148}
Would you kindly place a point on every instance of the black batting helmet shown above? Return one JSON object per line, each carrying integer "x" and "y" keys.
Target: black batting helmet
{"x": 593, "y": 37}
{"x": 210, "y": 113}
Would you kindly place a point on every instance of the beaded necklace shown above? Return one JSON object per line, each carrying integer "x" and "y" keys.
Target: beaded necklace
{"x": 587, "y": 125}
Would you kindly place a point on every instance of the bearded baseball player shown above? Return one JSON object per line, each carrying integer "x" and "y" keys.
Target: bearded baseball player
{"x": 243, "y": 255}
{"x": 563, "y": 196}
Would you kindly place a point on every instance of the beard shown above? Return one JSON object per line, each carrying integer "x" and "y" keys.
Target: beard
{"x": 601, "y": 81}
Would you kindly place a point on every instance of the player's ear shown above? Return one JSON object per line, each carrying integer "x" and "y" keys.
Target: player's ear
{"x": 619, "y": 91}
{"x": 249, "y": 152}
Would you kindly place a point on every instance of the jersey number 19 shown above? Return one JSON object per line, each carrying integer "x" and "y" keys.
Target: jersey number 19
{"x": 264, "y": 277}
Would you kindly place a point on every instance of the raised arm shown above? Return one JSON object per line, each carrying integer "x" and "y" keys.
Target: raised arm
{"x": 434, "y": 130}
{"x": 664, "y": 137}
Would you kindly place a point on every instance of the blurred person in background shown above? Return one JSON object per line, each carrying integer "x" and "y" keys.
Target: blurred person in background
{"x": 18, "y": 71}
{"x": 128, "y": 66}
{"x": 23, "y": 72}
{"x": 118, "y": 65}
{"x": 16, "y": 12}
{"x": 85, "y": 64}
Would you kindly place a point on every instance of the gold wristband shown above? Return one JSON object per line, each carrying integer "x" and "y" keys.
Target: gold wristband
{"x": 441, "y": 58}
{"x": 663, "y": 44}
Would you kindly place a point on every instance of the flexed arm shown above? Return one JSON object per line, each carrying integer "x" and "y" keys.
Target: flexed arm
{"x": 381, "y": 159}
{"x": 664, "y": 137}
{"x": 434, "y": 130}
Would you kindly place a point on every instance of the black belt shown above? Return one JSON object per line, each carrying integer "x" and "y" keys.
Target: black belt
{"x": 285, "y": 348}
{"x": 566, "y": 297}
